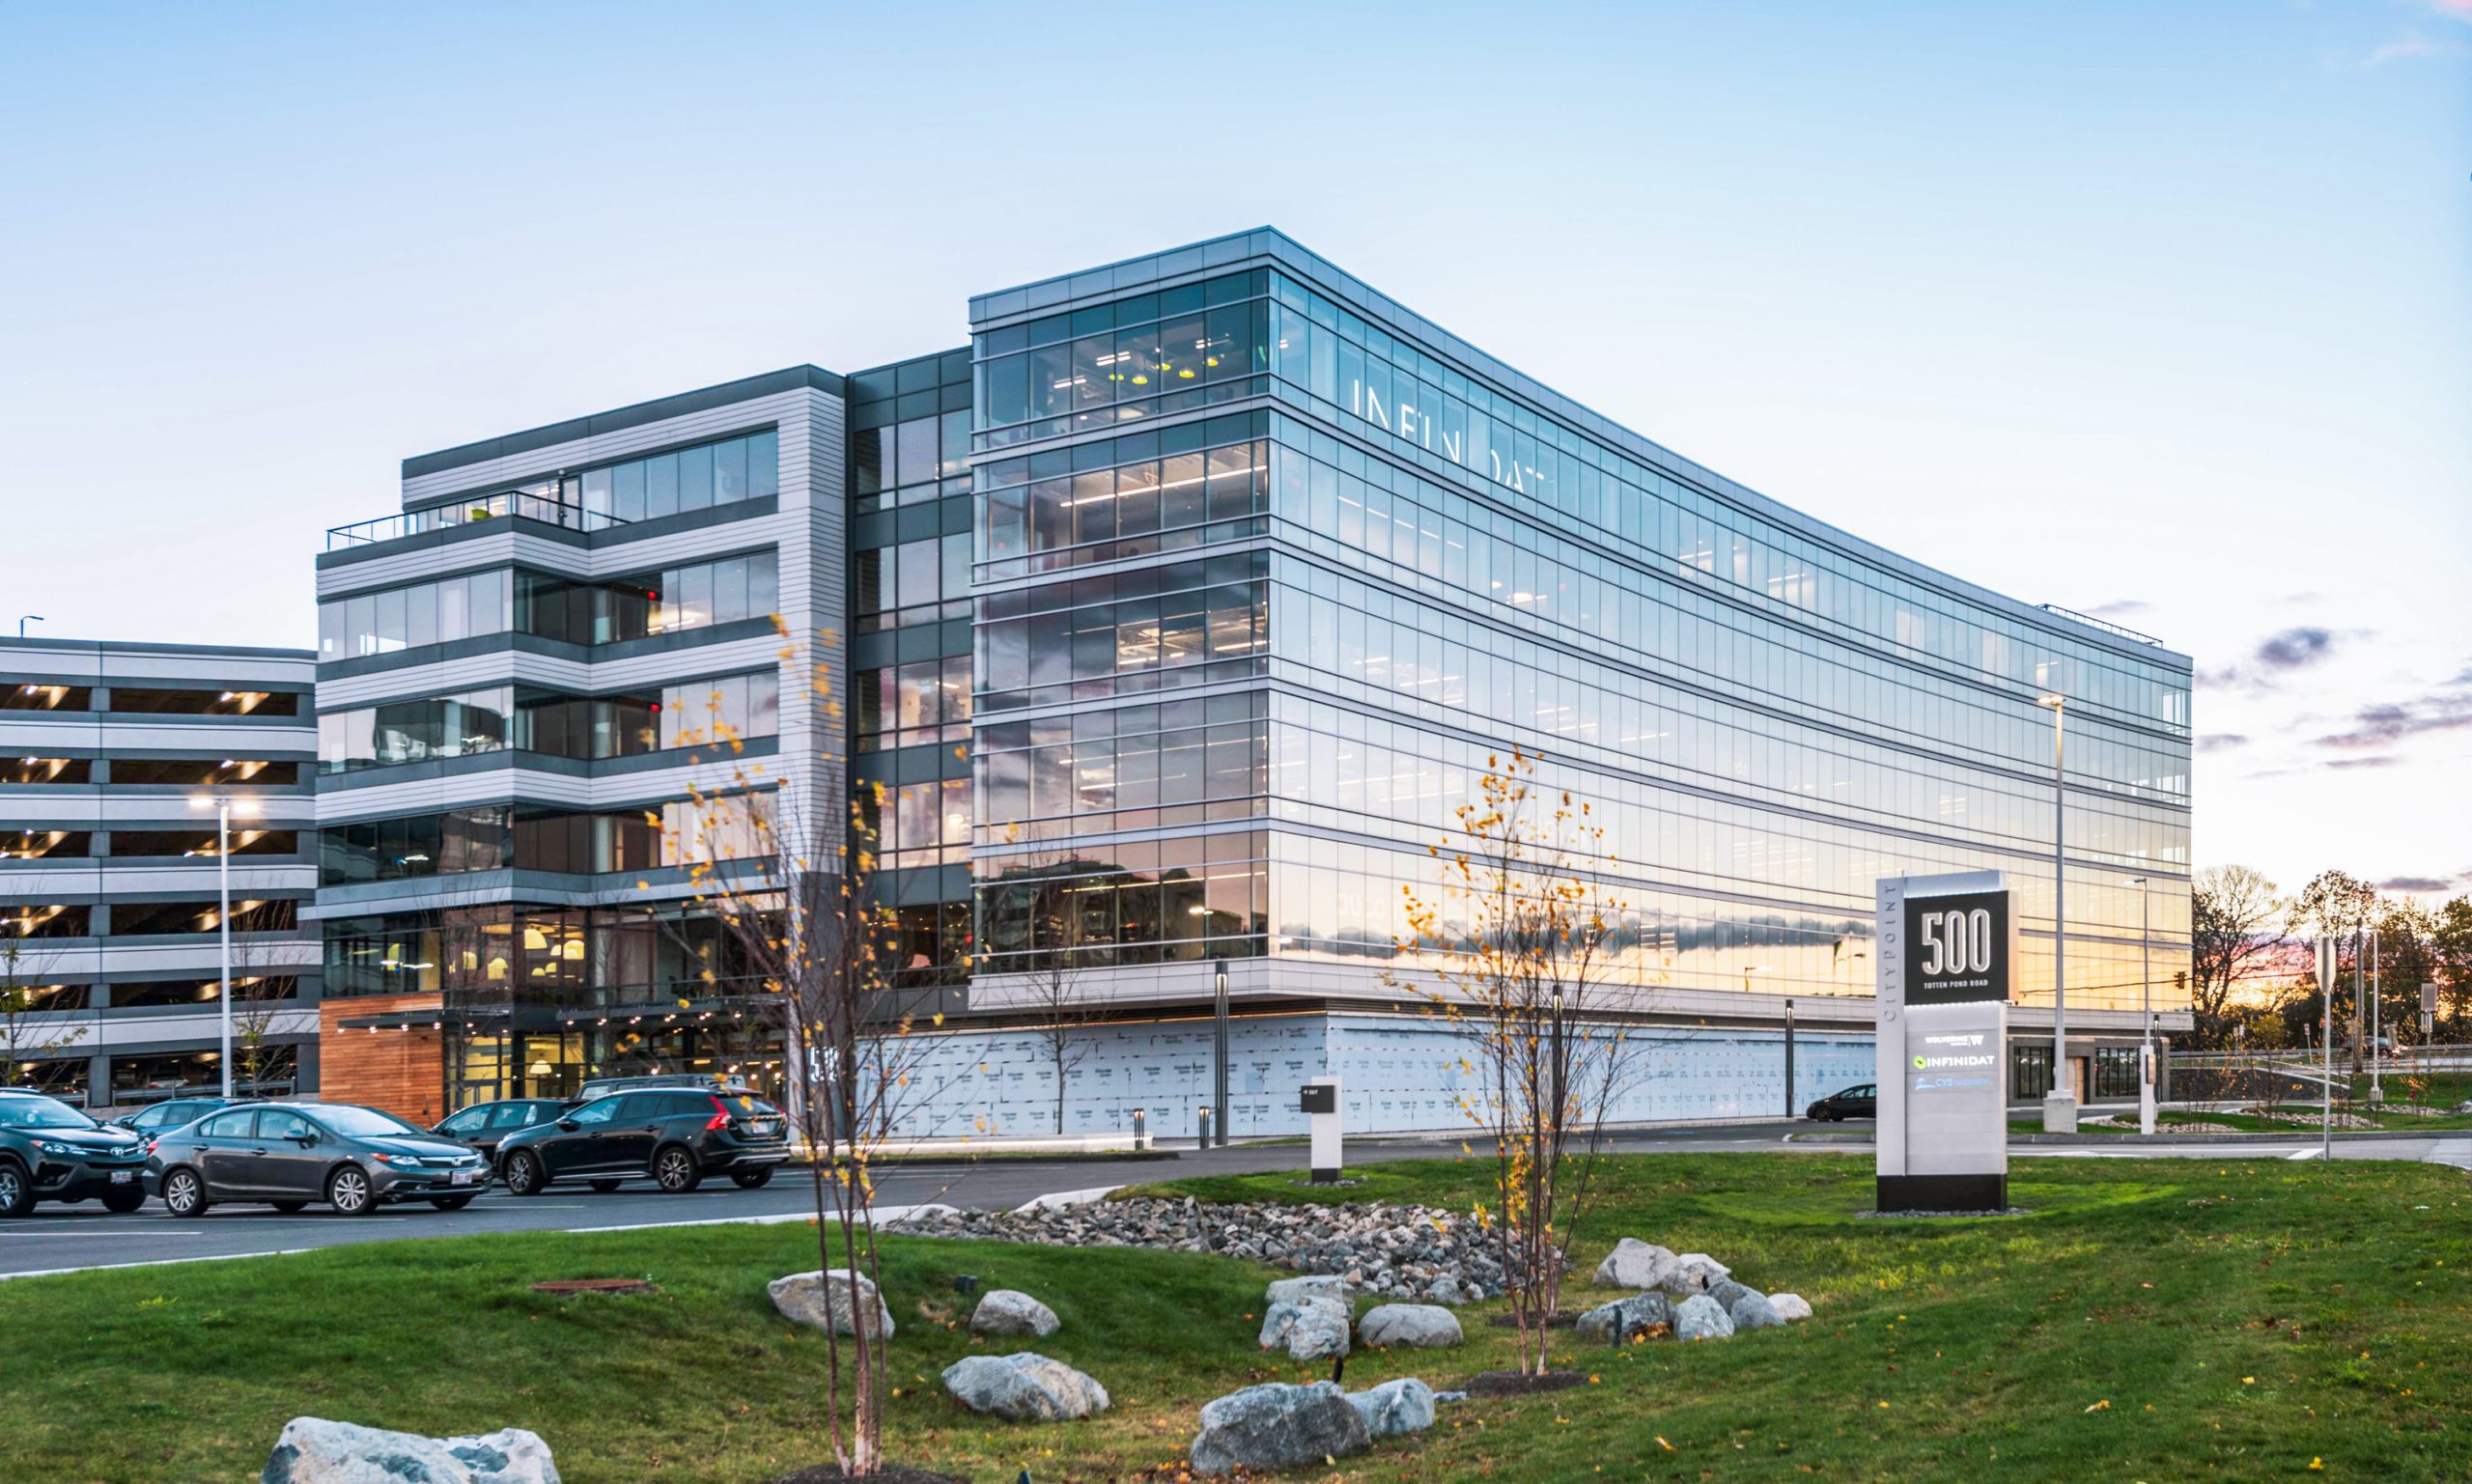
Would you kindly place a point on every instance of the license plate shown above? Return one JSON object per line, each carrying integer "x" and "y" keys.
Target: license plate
{"x": 461, "y": 1177}
{"x": 124, "y": 1176}
{"x": 764, "y": 1130}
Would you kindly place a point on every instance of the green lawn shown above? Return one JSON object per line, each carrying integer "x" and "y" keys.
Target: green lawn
{"x": 2152, "y": 1320}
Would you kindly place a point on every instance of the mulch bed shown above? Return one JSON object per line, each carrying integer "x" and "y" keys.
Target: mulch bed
{"x": 565, "y": 1286}
{"x": 1521, "y": 1384}
{"x": 888, "y": 1474}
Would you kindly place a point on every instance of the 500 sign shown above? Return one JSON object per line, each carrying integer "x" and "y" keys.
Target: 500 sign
{"x": 1957, "y": 948}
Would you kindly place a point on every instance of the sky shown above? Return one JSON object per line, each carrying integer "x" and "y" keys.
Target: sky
{"x": 2158, "y": 312}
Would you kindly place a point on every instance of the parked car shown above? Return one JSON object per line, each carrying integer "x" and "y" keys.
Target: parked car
{"x": 483, "y": 1124}
{"x": 50, "y": 1151}
{"x": 700, "y": 1082}
{"x": 1846, "y": 1102}
{"x": 169, "y": 1115}
{"x": 675, "y": 1135}
{"x": 289, "y": 1154}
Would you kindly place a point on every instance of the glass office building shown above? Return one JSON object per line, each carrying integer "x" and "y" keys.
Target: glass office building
{"x": 1269, "y": 566}
{"x": 1178, "y": 612}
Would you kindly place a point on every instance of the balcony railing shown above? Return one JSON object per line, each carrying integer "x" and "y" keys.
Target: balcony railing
{"x": 531, "y": 504}
{"x": 2104, "y": 624}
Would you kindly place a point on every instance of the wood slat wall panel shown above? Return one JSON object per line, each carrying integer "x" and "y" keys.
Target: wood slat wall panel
{"x": 403, "y": 1072}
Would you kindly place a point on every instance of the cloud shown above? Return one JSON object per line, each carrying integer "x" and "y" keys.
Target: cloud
{"x": 2297, "y": 598}
{"x": 2458, "y": 10}
{"x": 2397, "y": 51}
{"x": 2125, "y": 607}
{"x": 2390, "y": 721}
{"x": 2221, "y": 741}
{"x": 2278, "y": 654}
{"x": 2367, "y": 762}
{"x": 2413, "y": 884}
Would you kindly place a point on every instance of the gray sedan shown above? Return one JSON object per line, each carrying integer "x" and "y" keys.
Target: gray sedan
{"x": 290, "y": 1154}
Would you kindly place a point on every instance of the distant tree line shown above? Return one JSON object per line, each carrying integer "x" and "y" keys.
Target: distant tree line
{"x": 2252, "y": 961}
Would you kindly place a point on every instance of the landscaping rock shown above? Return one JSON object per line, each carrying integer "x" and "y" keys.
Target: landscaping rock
{"x": 1394, "y": 1407}
{"x": 1005, "y": 1311}
{"x": 1692, "y": 1273}
{"x": 313, "y": 1450}
{"x": 1278, "y": 1426}
{"x": 1648, "y": 1315}
{"x": 1422, "y": 1325}
{"x": 1791, "y": 1307}
{"x": 1401, "y": 1253}
{"x": 1726, "y": 1291}
{"x": 1023, "y": 1387}
{"x": 822, "y": 1299}
{"x": 1636, "y": 1264}
{"x": 1319, "y": 1285}
{"x": 1308, "y": 1328}
{"x": 1751, "y": 1310}
{"x": 1697, "y": 1318}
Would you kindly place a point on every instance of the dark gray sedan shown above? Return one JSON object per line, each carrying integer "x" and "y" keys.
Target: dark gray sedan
{"x": 288, "y": 1155}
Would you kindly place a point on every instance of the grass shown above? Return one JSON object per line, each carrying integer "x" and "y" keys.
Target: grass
{"x": 2152, "y": 1320}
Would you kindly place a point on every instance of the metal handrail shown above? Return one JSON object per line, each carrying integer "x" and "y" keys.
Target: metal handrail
{"x": 2104, "y": 624}
{"x": 482, "y": 510}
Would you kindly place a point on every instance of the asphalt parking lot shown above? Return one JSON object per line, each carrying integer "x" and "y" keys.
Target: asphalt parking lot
{"x": 59, "y": 1238}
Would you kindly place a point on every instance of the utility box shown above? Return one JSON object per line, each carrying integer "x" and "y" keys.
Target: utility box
{"x": 1319, "y": 1098}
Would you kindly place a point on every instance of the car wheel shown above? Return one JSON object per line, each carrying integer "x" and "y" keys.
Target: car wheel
{"x": 676, "y": 1170}
{"x": 604, "y": 1186}
{"x": 347, "y": 1190}
{"x": 287, "y": 1207}
{"x": 183, "y": 1193}
{"x": 450, "y": 1202}
{"x": 524, "y": 1174}
{"x": 122, "y": 1199}
{"x": 750, "y": 1179}
{"x": 17, "y": 1192}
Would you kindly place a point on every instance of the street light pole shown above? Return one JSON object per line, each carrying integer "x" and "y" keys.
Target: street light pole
{"x": 2377, "y": 1090}
{"x": 2145, "y": 1002}
{"x": 2060, "y": 1103}
{"x": 1789, "y": 1058}
{"x": 1219, "y": 1042}
{"x": 223, "y": 923}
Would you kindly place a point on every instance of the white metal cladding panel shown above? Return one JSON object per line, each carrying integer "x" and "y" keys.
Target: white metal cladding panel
{"x": 101, "y": 667}
{"x": 23, "y": 732}
{"x": 58, "y": 809}
{"x": 574, "y": 677}
{"x": 197, "y": 957}
{"x": 128, "y": 877}
{"x": 604, "y": 448}
{"x": 815, "y": 568}
{"x": 621, "y": 790}
{"x": 513, "y": 546}
{"x": 197, "y": 1022}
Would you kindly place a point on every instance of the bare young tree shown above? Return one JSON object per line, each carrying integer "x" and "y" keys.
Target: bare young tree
{"x": 790, "y": 878}
{"x": 31, "y": 1022}
{"x": 2338, "y": 905}
{"x": 1518, "y": 947}
{"x": 2235, "y": 923}
{"x": 1052, "y": 987}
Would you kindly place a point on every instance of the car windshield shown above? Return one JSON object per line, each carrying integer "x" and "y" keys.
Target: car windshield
{"x": 17, "y": 1113}
{"x": 363, "y": 1121}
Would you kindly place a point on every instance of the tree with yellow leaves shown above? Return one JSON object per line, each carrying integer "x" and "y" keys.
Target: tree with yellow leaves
{"x": 1517, "y": 946}
{"x": 790, "y": 877}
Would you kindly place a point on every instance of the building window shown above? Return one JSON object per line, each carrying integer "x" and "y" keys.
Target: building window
{"x": 42, "y": 770}
{"x": 1190, "y": 623}
{"x": 43, "y": 921}
{"x": 204, "y": 703}
{"x": 2029, "y": 1071}
{"x": 1160, "y": 901}
{"x": 43, "y": 843}
{"x": 195, "y": 772}
{"x": 903, "y": 706}
{"x": 246, "y": 840}
{"x": 480, "y": 602}
{"x": 41, "y": 695}
{"x": 915, "y": 582}
{"x": 149, "y": 919}
{"x": 684, "y": 479}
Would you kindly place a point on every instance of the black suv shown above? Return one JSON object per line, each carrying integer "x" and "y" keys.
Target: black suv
{"x": 50, "y": 1151}
{"x": 1846, "y": 1103}
{"x": 675, "y": 1136}
{"x": 482, "y": 1125}
{"x": 169, "y": 1115}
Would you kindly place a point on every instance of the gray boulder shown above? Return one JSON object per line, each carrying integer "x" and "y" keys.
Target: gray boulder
{"x": 1007, "y": 1311}
{"x": 1751, "y": 1310}
{"x": 1446, "y": 1289}
{"x": 1278, "y": 1426}
{"x": 1023, "y": 1387}
{"x": 313, "y": 1450}
{"x": 822, "y": 1299}
{"x": 1316, "y": 1285}
{"x": 1394, "y": 1407}
{"x": 1791, "y": 1307}
{"x": 1422, "y": 1325}
{"x": 1693, "y": 1272}
{"x": 1726, "y": 1291}
{"x": 1697, "y": 1318}
{"x": 1308, "y": 1328}
{"x": 1648, "y": 1315}
{"x": 1635, "y": 1264}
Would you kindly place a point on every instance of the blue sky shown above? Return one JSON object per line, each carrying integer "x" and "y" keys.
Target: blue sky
{"x": 2154, "y": 311}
